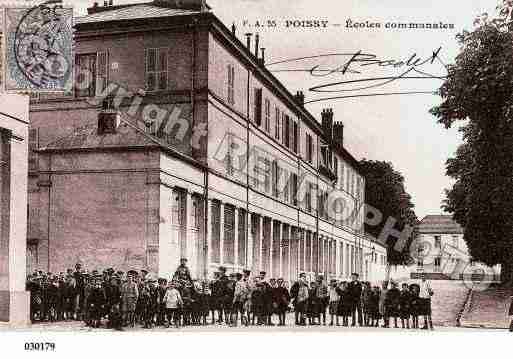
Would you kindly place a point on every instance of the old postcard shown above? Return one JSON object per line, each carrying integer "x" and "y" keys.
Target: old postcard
{"x": 256, "y": 166}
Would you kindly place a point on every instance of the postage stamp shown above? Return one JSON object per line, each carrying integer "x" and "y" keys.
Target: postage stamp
{"x": 38, "y": 45}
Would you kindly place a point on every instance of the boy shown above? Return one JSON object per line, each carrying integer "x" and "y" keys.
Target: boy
{"x": 174, "y": 302}
{"x": 333, "y": 301}
{"x": 392, "y": 300}
{"x": 405, "y": 306}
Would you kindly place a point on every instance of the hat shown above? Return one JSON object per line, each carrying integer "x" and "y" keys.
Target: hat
{"x": 222, "y": 269}
{"x": 355, "y": 274}
{"x": 183, "y": 259}
{"x": 144, "y": 271}
{"x": 162, "y": 280}
{"x": 132, "y": 273}
{"x": 246, "y": 271}
{"x": 263, "y": 273}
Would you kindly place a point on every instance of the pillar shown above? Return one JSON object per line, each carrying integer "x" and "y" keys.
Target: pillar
{"x": 14, "y": 300}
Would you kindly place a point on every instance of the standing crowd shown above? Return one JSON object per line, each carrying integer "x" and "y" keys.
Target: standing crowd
{"x": 117, "y": 299}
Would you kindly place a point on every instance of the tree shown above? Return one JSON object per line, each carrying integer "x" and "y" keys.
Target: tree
{"x": 478, "y": 90}
{"x": 385, "y": 191}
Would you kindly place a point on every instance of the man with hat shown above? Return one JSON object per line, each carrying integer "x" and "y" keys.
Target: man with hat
{"x": 267, "y": 299}
{"x": 354, "y": 289}
{"x": 129, "y": 297}
{"x": 220, "y": 288}
{"x": 182, "y": 273}
{"x": 299, "y": 294}
{"x": 96, "y": 301}
{"x": 161, "y": 305}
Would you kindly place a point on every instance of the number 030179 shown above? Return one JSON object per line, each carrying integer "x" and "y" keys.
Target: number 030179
{"x": 40, "y": 346}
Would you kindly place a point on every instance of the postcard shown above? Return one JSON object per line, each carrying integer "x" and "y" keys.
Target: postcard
{"x": 255, "y": 166}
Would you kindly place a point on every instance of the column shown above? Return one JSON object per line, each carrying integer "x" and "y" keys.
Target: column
{"x": 249, "y": 242}
{"x": 261, "y": 247}
{"x": 190, "y": 242}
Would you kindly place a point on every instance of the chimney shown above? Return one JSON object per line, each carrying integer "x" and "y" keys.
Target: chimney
{"x": 338, "y": 133}
{"x": 262, "y": 60}
{"x": 248, "y": 40}
{"x": 300, "y": 98}
{"x": 257, "y": 44}
{"x": 327, "y": 122}
{"x": 234, "y": 29}
{"x": 108, "y": 122}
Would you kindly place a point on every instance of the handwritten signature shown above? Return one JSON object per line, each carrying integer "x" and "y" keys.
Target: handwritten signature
{"x": 412, "y": 68}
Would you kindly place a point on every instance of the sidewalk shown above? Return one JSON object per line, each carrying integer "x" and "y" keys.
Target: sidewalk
{"x": 487, "y": 309}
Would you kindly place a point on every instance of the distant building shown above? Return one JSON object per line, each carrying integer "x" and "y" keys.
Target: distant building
{"x": 442, "y": 251}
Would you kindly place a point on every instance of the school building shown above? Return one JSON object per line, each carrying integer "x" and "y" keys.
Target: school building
{"x": 178, "y": 142}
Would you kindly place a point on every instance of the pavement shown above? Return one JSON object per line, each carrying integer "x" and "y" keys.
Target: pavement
{"x": 488, "y": 309}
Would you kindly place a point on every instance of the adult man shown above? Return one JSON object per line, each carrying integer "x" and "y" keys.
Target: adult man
{"x": 267, "y": 297}
{"x": 281, "y": 298}
{"x": 129, "y": 296}
{"x": 425, "y": 295}
{"x": 355, "y": 292}
{"x": 79, "y": 291}
{"x": 240, "y": 296}
{"x": 182, "y": 273}
{"x": 220, "y": 289}
{"x": 299, "y": 295}
{"x": 323, "y": 297}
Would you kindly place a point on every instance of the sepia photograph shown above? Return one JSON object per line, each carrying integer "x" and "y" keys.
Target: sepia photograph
{"x": 255, "y": 167}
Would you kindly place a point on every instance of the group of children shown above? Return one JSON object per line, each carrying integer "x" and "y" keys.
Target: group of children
{"x": 119, "y": 300}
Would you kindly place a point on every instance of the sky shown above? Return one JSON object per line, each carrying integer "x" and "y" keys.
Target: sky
{"x": 396, "y": 128}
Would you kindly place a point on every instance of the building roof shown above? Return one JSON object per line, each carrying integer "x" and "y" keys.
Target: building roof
{"x": 441, "y": 224}
{"x": 88, "y": 138}
{"x": 133, "y": 12}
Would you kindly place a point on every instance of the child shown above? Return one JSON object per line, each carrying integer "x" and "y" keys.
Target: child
{"x": 333, "y": 301}
{"x": 392, "y": 300}
{"x": 313, "y": 304}
{"x": 414, "y": 305}
{"x": 374, "y": 307}
{"x": 173, "y": 301}
{"x": 344, "y": 304}
{"x": 405, "y": 306}
{"x": 366, "y": 298}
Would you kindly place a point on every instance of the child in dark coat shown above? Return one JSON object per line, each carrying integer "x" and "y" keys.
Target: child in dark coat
{"x": 405, "y": 306}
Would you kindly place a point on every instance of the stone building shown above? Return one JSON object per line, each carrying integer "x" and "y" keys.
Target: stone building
{"x": 178, "y": 142}
{"x": 14, "y": 300}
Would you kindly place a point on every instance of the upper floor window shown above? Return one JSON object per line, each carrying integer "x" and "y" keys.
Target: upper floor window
{"x": 277, "y": 123}
{"x": 231, "y": 84}
{"x": 295, "y": 135}
{"x": 267, "y": 119}
{"x": 91, "y": 74}
{"x": 309, "y": 148}
{"x": 438, "y": 241}
{"x": 156, "y": 77}
{"x": 286, "y": 130}
{"x": 258, "y": 106}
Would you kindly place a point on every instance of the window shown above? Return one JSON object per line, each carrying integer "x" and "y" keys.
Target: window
{"x": 178, "y": 207}
{"x": 267, "y": 119}
{"x": 341, "y": 258}
{"x": 455, "y": 241}
{"x": 293, "y": 188}
{"x": 242, "y": 238}
{"x": 258, "y": 107}
{"x": 274, "y": 177}
{"x": 438, "y": 263}
{"x": 438, "y": 241}
{"x": 229, "y": 234}
{"x": 91, "y": 74}
{"x": 267, "y": 177}
{"x": 295, "y": 134}
{"x": 277, "y": 122}
{"x": 286, "y": 131}
{"x": 308, "y": 254}
{"x": 156, "y": 69}
{"x": 196, "y": 212}
{"x": 231, "y": 84}
{"x": 309, "y": 148}
{"x": 216, "y": 234}
{"x": 308, "y": 197}
{"x": 286, "y": 190}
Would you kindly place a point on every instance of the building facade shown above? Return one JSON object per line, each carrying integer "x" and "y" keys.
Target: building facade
{"x": 14, "y": 300}
{"x": 443, "y": 252}
{"x": 178, "y": 142}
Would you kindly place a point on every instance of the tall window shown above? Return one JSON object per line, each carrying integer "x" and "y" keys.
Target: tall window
{"x": 267, "y": 119}
{"x": 341, "y": 253}
{"x": 258, "y": 106}
{"x": 242, "y": 238}
{"x": 229, "y": 234}
{"x": 438, "y": 241}
{"x": 156, "y": 69}
{"x": 438, "y": 263}
{"x": 293, "y": 188}
{"x": 308, "y": 197}
{"x": 216, "y": 232}
{"x": 309, "y": 148}
{"x": 91, "y": 74}
{"x": 274, "y": 176}
{"x": 286, "y": 130}
{"x": 178, "y": 207}
{"x": 295, "y": 135}
{"x": 286, "y": 190}
{"x": 308, "y": 249}
{"x": 277, "y": 122}
{"x": 267, "y": 176}
{"x": 301, "y": 236}
{"x": 231, "y": 84}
